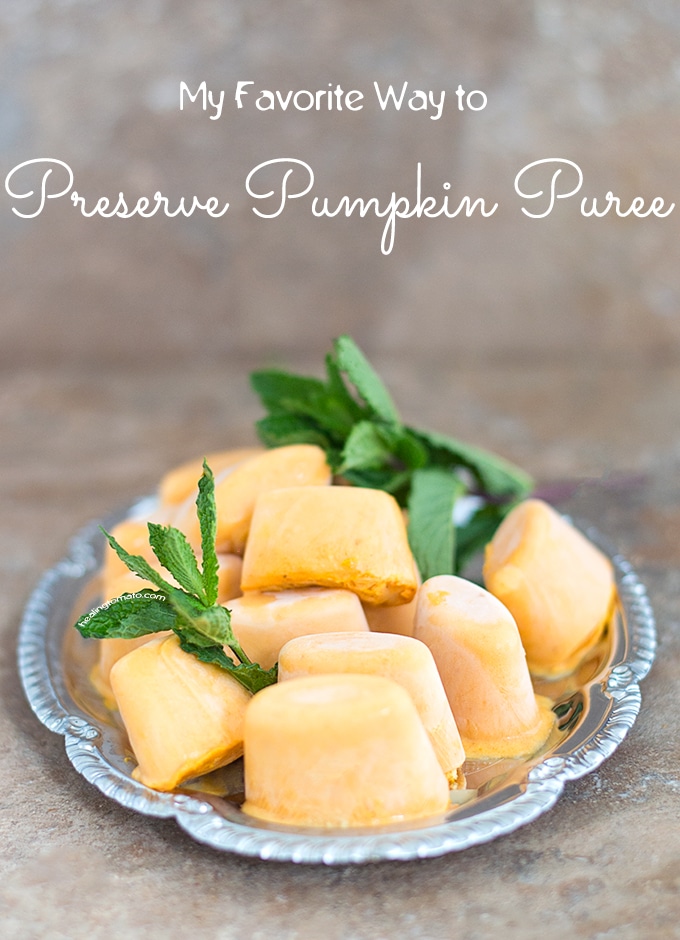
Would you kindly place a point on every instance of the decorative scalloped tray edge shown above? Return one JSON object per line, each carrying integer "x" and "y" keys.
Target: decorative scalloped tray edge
{"x": 40, "y": 666}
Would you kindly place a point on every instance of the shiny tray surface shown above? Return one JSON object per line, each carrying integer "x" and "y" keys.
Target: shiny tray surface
{"x": 595, "y": 706}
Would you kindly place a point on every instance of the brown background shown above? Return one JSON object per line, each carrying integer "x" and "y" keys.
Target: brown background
{"x": 125, "y": 347}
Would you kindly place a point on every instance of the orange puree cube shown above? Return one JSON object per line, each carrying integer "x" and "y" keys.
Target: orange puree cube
{"x": 401, "y": 658}
{"x": 237, "y": 491}
{"x": 334, "y": 536}
{"x": 127, "y": 583}
{"x": 399, "y": 618}
{"x": 339, "y": 750}
{"x": 479, "y": 655}
{"x": 228, "y": 577}
{"x": 264, "y": 621}
{"x": 133, "y": 535}
{"x": 558, "y": 586}
{"x": 183, "y": 717}
{"x": 182, "y": 482}
{"x": 110, "y": 651}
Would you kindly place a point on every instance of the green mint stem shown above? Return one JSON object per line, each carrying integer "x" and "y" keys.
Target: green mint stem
{"x": 191, "y": 611}
{"x": 236, "y": 647}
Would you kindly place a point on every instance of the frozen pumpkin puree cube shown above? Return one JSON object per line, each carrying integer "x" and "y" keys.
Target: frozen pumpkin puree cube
{"x": 183, "y": 717}
{"x": 558, "y": 586}
{"x": 333, "y": 536}
{"x": 263, "y": 621}
{"x": 395, "y": 619}
{"x": 181, "y": 483}
{"x": 111, "y": 650}
{"x": 133, "y": 535}
{"x": 237, "y": 491}
{"x": 127, "y": 583}
{"x": 477, "y": 648}
{"x": 228, "y": 577}
{"x": 401, "y": 658}
{"x": 399, "y": 618}
{"x": 339, "y": 750}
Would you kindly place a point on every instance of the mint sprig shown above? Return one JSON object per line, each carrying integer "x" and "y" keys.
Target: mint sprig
{"x": 191, "y": 611}
{"x": 430, "y": 510}
{"x": 207, "y": 521}
{"x": 130, "y": 617}
{"x": 352, "y": 416}
{"x": 171, "y": 548}
{"x": 362, "y": 375}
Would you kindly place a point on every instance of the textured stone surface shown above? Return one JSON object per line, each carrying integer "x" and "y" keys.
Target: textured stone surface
{"x": 604, "y": 862}
{"x": 125, "y": 347}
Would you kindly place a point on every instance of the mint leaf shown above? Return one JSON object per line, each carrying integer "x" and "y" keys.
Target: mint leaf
{"x": 128, "y": 617}
{"x": 478, "y": 532}
{"x": 397, "y": 483}
{"x": 365, "y": 448}
{"x": 205, "y": 651}
{"x": 285, "y": 394}
{"x": 173, "y": 551}
{"x": 409, "y": 450}
{"x": 497, "y": 477}
{"x": 431, "y": 531}
{"x": 277, "y": 430}
{"x": 206, "y": 510}
{"x": 184, "y": 603}
{"x": 365, "y": 379}
{"x": 281, "y": 391}
{"x": 215, "y": 625}
{"x": 341, "y": 394}
{"x": 252, "y": 677}
{"x": 354, "y": 419}
{"x": 138, "y": 564}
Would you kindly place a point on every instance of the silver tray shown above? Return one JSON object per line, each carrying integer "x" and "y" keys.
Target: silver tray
{"x": 595, "y": 706}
